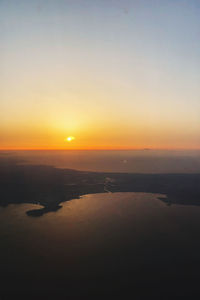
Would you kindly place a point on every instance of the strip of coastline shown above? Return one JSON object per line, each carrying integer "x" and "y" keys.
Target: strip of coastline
{"x": 50, "y": 186}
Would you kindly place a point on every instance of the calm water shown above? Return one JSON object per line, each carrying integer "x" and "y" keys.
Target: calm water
{"x": 101, "y": 245}
{"x": 141, "y": 161}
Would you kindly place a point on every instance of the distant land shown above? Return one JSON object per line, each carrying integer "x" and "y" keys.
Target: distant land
{"x": 49, "y": 186}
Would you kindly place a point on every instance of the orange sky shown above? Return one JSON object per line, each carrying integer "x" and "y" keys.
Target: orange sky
{"x": 111, "y": 79}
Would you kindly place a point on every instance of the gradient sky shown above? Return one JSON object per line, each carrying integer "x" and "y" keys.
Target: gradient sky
{"x": 111, "y": 73}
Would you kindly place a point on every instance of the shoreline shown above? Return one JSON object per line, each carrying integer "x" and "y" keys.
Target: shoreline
{"x": 49, "y": 186}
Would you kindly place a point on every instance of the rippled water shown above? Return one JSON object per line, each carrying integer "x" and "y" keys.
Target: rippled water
{"x": 100, "y": 245}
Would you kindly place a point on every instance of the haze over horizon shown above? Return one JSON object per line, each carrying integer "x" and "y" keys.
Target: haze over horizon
{"x": 100, "y": 74}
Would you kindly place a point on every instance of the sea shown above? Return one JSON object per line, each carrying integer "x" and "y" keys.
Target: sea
{"x": 107, "y": 245}
{"x": 126, "y": 161}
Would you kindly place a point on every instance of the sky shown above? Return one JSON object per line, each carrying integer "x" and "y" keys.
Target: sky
{"x": 112, "y": 74}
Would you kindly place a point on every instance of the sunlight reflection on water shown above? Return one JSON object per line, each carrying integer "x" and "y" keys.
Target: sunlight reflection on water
{"x": 116, "y": 231}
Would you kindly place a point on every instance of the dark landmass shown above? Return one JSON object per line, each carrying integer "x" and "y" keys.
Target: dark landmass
{"x": 49, "y": 186}
{"x": 137, "y": 259}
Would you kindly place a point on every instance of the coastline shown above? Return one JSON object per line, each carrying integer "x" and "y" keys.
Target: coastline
{"x": 50, "y": 186}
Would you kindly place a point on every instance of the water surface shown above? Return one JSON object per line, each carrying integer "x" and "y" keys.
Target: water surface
{"x": 101, "y": 244}
{"x": 132, "y": 161}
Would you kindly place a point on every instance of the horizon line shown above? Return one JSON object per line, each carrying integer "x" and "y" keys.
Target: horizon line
{"x": 97, "y": 149}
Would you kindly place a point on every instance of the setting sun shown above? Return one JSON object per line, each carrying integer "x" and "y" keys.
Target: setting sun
{"x": 57, "y": 85}
{"x": 70, "y": 138}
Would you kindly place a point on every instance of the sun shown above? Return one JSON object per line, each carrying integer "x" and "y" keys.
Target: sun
{"x": 70, "y": 138}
